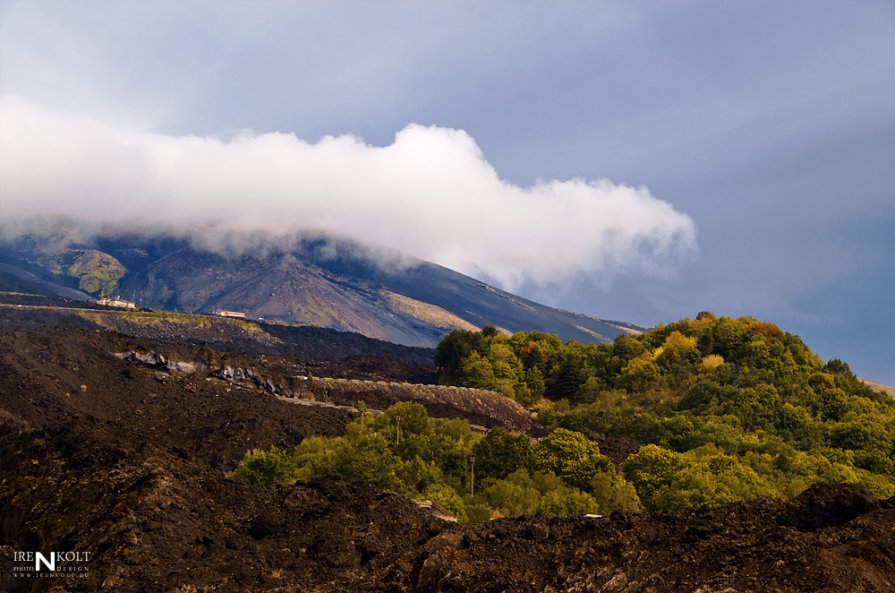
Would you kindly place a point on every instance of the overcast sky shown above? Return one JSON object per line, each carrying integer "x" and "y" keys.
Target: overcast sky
{"x": 732, "y": 157}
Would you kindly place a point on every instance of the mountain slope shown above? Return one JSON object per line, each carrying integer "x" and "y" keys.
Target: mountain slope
{"x": 335, "y": 285}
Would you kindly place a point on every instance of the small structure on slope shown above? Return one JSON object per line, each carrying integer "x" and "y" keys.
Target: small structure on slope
{"x": 116, "y": 302}
{"x": 236, "y": 314}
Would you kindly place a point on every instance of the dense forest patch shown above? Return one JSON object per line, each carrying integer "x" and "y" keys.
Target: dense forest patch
{"x": 727, "y": 409}
{"x": 502, "y": 473}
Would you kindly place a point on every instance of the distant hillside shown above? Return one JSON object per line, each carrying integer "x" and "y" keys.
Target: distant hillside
{"x": 887, "y": 389}
{"x": 333, "y": 285}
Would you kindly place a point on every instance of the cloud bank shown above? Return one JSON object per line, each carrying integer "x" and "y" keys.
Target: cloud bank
{"x": 431, "y": 194}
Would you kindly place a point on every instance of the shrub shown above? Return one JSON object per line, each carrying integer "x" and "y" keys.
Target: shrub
{"x": 273, "y": 466}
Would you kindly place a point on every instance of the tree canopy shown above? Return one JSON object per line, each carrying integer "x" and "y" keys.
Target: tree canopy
{"x": 405, "y": 450}
{"x": 722, "y": 410}
{"x": 742, "y": 408}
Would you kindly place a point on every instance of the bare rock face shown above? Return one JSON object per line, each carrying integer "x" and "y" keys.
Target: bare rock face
{"x": 739, "y": 547}
{"x": 821, "y": 506}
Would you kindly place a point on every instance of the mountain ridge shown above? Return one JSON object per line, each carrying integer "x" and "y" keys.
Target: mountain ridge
{"x": 334, "y": 284}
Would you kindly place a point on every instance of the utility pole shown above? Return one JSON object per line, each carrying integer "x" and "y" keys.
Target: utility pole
{"x": 472, "y": 475}
{"x": 362, "y": 408}
{"x": 398, "y": 431}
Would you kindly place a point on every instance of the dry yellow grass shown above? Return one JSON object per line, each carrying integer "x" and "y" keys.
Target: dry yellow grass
{"x": 600, "y": 337}
{"x": 175, "y": 321}
{"x": 430, "y": 314}
{"x": 887, "y": 389}
{"x": 627, "y": 330}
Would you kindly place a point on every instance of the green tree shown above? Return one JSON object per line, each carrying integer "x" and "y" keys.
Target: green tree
{"x": 448, "y": 498}
{"x": 718, "y": 480}
{"x": 477, "y": 371}
{"x": 571, "y": 456}
{"x": 567, "y": 501}
{"x": 452, "y": 349}
{"x": 613, "y": 493}
{"x": 651, "y": 469}
{"x": 588, "y": 392}
{"x": 640, "y": 374}
{"x": 568, "y": 374}
{"x": 369, "y": 458}
{"x": 502, "y": 452}
{"x": 266, "y": 467}
{"x": 535, "y": 382}
{"x": 514, "y": 496}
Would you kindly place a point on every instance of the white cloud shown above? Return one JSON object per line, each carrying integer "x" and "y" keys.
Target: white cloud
{"x": 430, "y": 193}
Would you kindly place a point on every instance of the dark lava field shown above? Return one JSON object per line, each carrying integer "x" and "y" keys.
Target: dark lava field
{"x": 132, "y": 461}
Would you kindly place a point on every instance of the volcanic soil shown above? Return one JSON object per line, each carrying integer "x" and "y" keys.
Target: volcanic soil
{"x": 132, "y": 462}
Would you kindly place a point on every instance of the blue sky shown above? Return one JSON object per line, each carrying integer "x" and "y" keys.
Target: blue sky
{"x": 770, "y": 125}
